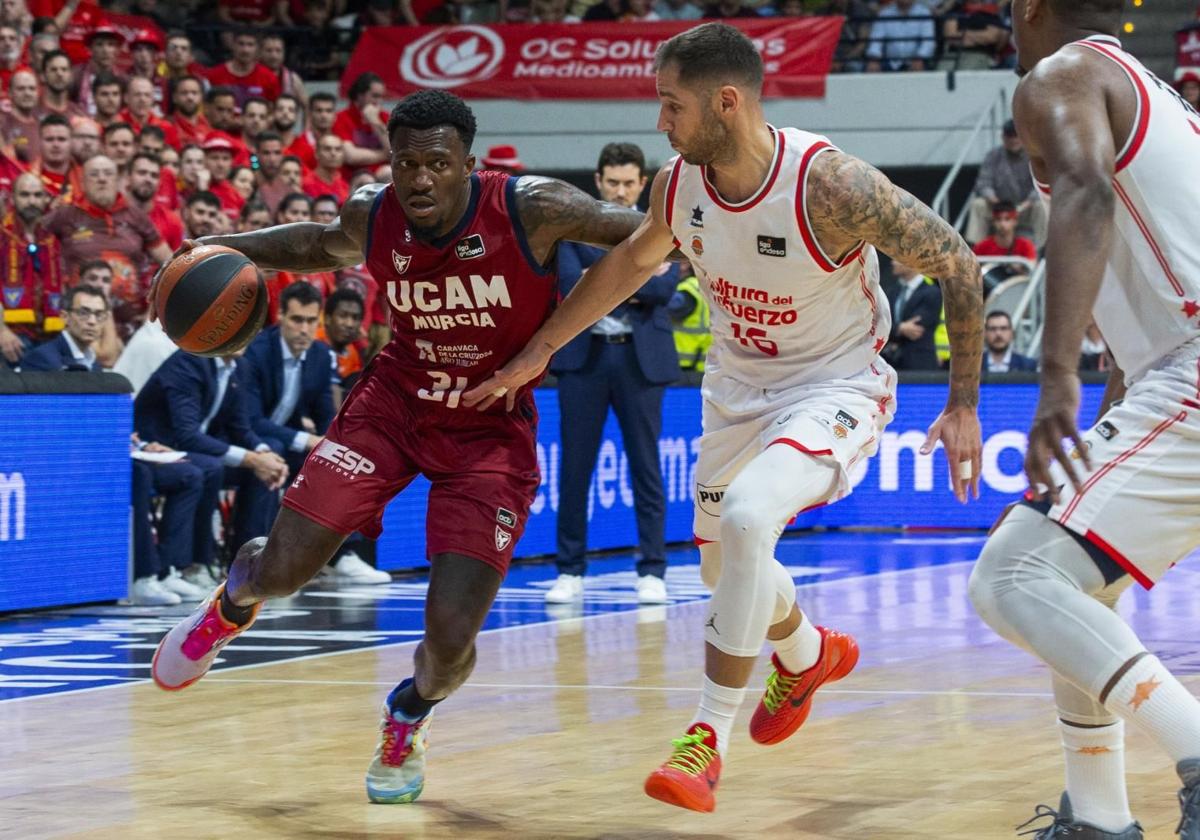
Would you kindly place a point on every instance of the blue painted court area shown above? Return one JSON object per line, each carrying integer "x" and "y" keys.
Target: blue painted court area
{"x": 92, "y": 647}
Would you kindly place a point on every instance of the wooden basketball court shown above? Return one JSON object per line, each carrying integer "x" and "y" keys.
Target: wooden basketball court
{"x": 942, "y": 731}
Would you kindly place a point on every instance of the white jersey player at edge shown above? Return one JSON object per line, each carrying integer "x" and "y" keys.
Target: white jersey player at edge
{"x": 782, "y": 230}
{"x": 1118, "y": 153}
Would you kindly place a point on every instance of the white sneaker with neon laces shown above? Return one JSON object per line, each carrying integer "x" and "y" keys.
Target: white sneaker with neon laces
{"x": 397, "y": 772}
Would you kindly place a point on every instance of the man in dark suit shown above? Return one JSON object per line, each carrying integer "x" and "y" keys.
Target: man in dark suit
{"x": 625, "y": 361}
{"x": 86, "y": 310}
{"x": 916, "y": 311}
{"x": 197, "y": 405}
{"x": 290, "y": 375}
{"x": 998, "y": 336}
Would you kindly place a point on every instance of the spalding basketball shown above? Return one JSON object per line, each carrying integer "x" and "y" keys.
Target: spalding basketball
{"x": 211, "y": 300}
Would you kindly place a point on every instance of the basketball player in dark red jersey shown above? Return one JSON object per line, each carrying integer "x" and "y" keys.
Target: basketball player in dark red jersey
{"x": 467, "y": 260}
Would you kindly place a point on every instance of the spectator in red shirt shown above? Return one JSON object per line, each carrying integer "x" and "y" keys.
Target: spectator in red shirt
{"x": 105, "y": 43}
{"x": 254, "y": 216}
{"x": 203, "y": 216}
{"x": 1004, "y": 241}
{"x": 54, "y": 168}
{"x": 142, "y": 188}
{"x": 243, "y": 74}
{"x": 190, "y": 124}
{"x": 101, "y": 224}
{"x": 107, "y": 91}
{"x": 322, "y": 111}
{"x": 327, "y": 177}
{"x": 218, "y": 159}
{"x": 220, "y": 106}
{"x": 291, "y": 171}
{"x": 19, "y": 124}
{"x": 271, "y": 186}
{"x": 120, "y": 145}
{"x": 146, "y": 48}
{"x": 152, "y": 140}
{"x": 256, "y": 118}
{"x": 56, "y": 85}
{"x": 193, "y": 174}
{"x": 139, "y": 110}
{"x": 284, "y": 116}
{"x": 362, "y": 124}
{"x": 325, "y": 209}
{"x": 10, "y": 54}
{"x": 272, "y": 53}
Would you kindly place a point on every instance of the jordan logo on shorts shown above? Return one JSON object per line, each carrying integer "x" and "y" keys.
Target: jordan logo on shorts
{"x": 503, "y": 538}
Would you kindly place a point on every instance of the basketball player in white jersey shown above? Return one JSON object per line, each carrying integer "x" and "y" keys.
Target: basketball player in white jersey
{"x": 1118, "y": 154}
{"x": 781, "y": 228}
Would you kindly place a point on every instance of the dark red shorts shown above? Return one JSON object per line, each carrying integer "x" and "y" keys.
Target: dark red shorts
{"x": 482, "y": 467}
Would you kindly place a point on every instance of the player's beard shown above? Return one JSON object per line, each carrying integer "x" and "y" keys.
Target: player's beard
{"x": 709, "y": 145}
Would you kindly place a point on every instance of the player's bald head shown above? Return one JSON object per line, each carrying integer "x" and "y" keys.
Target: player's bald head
{"x": 711, "y": 55}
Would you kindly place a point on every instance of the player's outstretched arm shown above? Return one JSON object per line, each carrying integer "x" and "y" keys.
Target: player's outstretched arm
{"x": 1062, "y": 115}
{"x": 308, "y": 246}
{"x": 850, "y": 200}
{"x": 552, "y": 211}
{"x": 612, "y": 280}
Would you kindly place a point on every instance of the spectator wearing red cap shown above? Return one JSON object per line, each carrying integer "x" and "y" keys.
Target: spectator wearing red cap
{"x": 363, "y": 124}
{"x": 139, "y": 110}
{"x": 326, "y": 178}
{"x": 19, "y": 122}
{"x": 146, "y": 48}
{"x": 56, "y": 85}
{"x": 104, "y": 43}
{"x": 218, "y": 158}
{"x": 243, "y": 74}
{"x": 1187, "y": 82}
{"x": 503, "y": 159}
{"x": 189, "y": 121}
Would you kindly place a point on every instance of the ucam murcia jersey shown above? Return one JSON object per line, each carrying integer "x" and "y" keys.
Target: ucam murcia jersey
{"x": 1149, "y": 301}
{"x": 783, "y": 312}
{"x": 460, "y": 305}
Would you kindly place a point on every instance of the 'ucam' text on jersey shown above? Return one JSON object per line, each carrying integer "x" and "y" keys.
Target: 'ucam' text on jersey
{"x": 454, "y": 303}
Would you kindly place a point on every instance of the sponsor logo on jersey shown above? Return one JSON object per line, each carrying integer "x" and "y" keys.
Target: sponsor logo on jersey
{"x": 506, "y": 517}
{"x": 846, "y": 419}
{"x": 709, "y": 498}
{"x": 1075, "y": 454}
{"x": 772, "y": 246}
{"x": 344, "y": 460}
{"x": 470, "y": 247}
{"x": 840, "y": 431}
{"x": 697, "y": 217}
{"x": 401, "y": 262}
{"x": 503, "y": 538}
{"x": 433, "y": 305}
{"x": 698, "y": 246}
{"x": 1106, "y": 430}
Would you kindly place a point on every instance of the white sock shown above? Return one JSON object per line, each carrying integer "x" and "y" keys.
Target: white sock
{"x": 718, "y": 707}
{"x": 1096, "y": 774}
{"x": 1150, "y": 698}
{"x": 800, "y": 649}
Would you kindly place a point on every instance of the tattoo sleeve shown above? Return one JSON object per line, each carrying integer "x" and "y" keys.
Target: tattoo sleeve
{"x": 553, "y": 210}
{"x": 307, "y": 246}
{"x": 849, "y": 201}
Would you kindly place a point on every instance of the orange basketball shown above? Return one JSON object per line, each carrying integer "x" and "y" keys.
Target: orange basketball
{"x": 211, "y": 300}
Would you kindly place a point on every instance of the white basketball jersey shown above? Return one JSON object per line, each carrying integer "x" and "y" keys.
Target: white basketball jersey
{"x": 1149, "y": 301}
{"x": 783, "y": 312}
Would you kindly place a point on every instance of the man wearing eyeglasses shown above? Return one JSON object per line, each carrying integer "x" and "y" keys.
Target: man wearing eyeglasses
{"x": 31, "y": 273}
{"x": 86, "y": 311}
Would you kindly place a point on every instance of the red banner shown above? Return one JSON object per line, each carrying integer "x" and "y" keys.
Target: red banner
{"x": 577, "y": 61}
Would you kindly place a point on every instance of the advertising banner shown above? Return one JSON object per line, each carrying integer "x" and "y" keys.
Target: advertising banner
{"x": 576, "y": 61}
{"x": 897, "y": 488}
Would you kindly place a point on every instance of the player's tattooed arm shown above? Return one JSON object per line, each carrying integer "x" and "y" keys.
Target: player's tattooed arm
{"x": 553, "y": 210}
{"x": 851, "y": 201}
{"x": 308, "y": 246}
